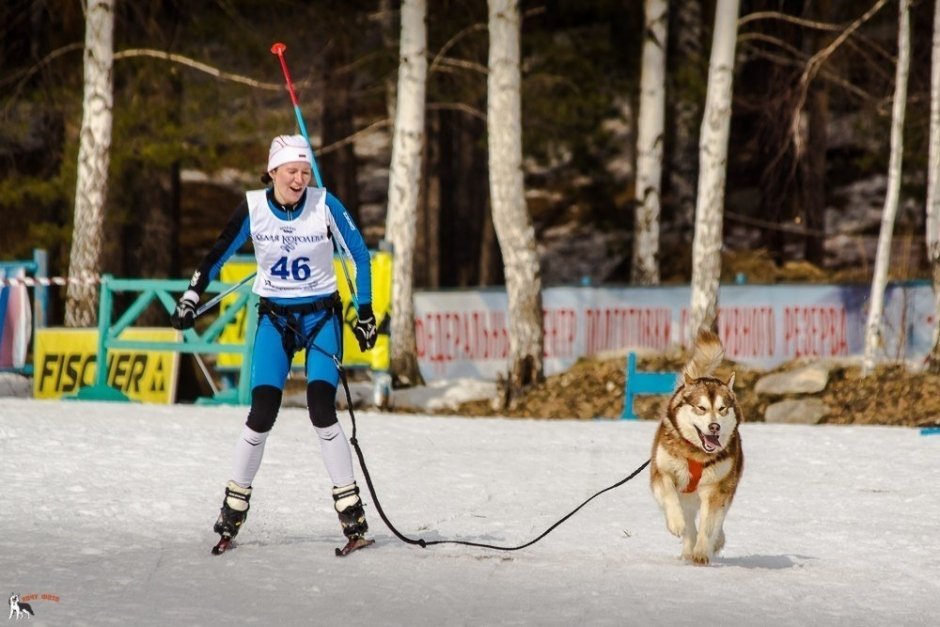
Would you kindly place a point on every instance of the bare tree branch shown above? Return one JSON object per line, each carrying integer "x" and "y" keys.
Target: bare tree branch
{"x": 783, "y": 17}
{"x": 347, "y": 140}
{"x": 198, "y": 65}
{"x": 448, "y": 62}
{"x": 813, "y": 68}
{"x": 459, "y": 106}
{"x": 832, "y": 77}
{"x": 450, "y": 43}
{"x": 28, "y": 73}
{"x": 818, "y": 59}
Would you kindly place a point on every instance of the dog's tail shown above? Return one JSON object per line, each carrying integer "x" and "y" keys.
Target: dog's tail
{"x": 706, "y": 356}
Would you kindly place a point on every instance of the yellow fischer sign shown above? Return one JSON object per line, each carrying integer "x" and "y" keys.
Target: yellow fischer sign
{"x": 377, "y": 359}
{"x": 66, "y": 359}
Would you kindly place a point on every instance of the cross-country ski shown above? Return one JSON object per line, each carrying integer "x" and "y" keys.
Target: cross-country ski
{"x": 354, "y": 544}
{"x": 222, "y": 546}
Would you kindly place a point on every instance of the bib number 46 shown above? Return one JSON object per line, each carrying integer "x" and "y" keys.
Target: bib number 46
{"x": 297, "y": 269}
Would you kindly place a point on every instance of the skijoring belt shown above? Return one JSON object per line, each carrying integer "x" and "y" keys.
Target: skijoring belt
{"x": 287, "y": 320}
{"x": 333, "y": 301}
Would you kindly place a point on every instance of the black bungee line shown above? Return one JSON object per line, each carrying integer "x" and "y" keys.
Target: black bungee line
{"x": 310, "y": 343}
{"x": 426, "y": 543}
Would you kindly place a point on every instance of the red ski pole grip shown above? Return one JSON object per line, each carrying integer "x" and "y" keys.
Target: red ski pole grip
{"x": 278, "y": 48}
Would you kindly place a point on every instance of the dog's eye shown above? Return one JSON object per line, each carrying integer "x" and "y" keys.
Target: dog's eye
{"x": 722, "y": 410}
{"x": 701, "y": 409}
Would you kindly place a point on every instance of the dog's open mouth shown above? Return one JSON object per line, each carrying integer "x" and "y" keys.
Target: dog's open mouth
{"x": 710, "y": 442}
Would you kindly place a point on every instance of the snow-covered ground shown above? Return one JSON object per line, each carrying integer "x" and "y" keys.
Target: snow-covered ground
{"x": 106, "y": 513}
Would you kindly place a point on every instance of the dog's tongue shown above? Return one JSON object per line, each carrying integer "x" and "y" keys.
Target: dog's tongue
{"x": 712, "y": 439}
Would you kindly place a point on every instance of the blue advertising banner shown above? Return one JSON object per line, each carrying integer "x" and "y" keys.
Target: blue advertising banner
{"x": 465, "y": 333}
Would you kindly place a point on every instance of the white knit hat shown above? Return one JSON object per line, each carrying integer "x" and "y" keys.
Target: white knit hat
{"x": 287, "y": 148}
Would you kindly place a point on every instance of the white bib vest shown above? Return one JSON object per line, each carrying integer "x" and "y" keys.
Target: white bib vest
{"x": 295, "y": 258}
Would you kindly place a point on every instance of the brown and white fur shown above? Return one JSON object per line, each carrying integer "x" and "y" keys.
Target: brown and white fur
{"x": 698, "y": 435}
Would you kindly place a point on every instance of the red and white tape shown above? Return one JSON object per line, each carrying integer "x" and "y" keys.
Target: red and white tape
{"x": 49, "y": 281}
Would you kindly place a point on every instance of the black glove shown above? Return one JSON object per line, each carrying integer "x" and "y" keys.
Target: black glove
{"x": 364, "y": 329}
{"x": 185, "y": 315}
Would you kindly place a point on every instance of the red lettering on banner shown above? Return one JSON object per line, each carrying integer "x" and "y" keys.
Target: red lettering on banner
{"x": 816, "y": 331}
{"x": 620, "y": 327}
{"x": 684, "y": 316}
{"x": 445, "y": 336}
{"x": 747, "y": 332}
{"x": 560, "y": 327}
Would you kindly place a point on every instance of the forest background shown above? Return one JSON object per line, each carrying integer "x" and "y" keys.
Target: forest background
{"x": 187, "y": 142}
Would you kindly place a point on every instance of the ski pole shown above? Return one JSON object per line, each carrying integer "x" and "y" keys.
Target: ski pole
{"x": 278, "y": 49}
{"x": 212, "y": 301}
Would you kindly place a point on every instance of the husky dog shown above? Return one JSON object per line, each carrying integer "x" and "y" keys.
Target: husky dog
{"x": 697, "y": 458}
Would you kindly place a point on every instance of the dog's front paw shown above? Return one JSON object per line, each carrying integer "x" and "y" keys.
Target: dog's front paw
{"x": 700, "y": 553}
{"x": 698, "y": 558}
{"x": 675, "y": 525}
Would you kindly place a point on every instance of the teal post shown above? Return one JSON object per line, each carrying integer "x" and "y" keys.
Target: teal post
{"x": 101, "y": 391}
{"x": 41, "y": 292}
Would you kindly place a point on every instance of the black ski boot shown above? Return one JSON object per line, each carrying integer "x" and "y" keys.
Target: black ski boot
{"x": 234, "y": 510}
{"x": 352, "y": 517}
{"x": 349, "y": 507}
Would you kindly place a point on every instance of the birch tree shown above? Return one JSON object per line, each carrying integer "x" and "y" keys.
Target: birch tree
{"x": 91, "y": 184}
{"x": 873, "y": 325}
{"x": 404, "y": 185}
{"x": 933, "y": 188}
{"x": 514, "y": 228}
{"x": 713, "y": 158}
{"x": 649, "y": 149}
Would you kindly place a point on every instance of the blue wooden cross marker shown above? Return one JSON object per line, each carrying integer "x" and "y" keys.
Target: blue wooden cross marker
{"x": 644, "y": 383}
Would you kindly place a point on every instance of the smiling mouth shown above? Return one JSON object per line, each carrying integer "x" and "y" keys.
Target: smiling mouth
{"x": 710, "y": 442}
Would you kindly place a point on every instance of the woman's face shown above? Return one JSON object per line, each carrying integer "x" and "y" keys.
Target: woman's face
{"x": 290, "y": 181}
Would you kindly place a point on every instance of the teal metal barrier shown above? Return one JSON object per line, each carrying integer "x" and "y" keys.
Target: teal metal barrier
{"x": 193, "y": 341}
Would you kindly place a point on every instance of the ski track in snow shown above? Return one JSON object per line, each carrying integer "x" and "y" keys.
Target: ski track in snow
{"x": 107, "y": 509}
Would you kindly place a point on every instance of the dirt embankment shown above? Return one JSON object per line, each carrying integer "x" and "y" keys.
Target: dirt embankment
{"x": 594, "y": 389}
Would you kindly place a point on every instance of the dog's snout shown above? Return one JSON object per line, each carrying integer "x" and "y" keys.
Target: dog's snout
{"x": 714, "y": 427}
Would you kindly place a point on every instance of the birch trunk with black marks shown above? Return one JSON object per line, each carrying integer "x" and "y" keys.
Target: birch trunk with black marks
{"x": 649, "y": 148}
{"x": 404, "y": 186}
{"x": 933, "y": 189}
{"x": 511, "y": 219}
{"x": 713, "y": 159}
{"x": 91, "y": 186}
{"x": 874, "y": 338}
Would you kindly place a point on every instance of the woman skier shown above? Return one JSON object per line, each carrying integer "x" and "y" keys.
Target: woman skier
{"x": 292, "y": 227}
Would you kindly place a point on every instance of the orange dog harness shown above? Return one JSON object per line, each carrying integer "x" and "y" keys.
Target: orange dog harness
{"x": 695, "y": 475}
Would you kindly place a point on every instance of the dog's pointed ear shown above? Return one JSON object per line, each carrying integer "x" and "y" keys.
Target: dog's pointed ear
{"x": 730, "y": 382}
{"x": 686, "y": 379}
